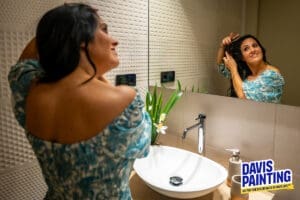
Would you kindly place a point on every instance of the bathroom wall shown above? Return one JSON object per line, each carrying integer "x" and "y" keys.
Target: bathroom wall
{"x": 283, "y": 46}
{"x": 259, "y": 130}
{"x": 20, "y": 176}
{"x": 185, "y": 36}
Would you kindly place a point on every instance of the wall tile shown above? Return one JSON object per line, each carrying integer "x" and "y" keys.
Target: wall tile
{"x": 232, "y": 123}
{"x": 287, "y": 138}
{"x": 289, "y": 194}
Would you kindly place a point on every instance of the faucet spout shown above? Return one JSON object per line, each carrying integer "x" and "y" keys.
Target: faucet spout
{"x": 201, "y": 133}
{"x": 188, "y": 129}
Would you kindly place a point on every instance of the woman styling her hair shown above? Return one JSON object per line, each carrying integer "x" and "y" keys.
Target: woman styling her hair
{"x": 85, "y": 132}
{"x": 243, "y": 60}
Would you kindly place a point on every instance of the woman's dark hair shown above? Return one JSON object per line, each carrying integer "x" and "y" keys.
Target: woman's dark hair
{"x": 234, "y": 49}
{"x": 59, "y": 34}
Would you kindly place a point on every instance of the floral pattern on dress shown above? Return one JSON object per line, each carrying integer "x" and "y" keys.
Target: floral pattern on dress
{"x": 267, "y": 87}
{"x": 97, "y": 168}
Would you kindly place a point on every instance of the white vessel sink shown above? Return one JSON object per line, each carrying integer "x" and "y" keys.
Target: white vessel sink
{"x": 199, "y": 174}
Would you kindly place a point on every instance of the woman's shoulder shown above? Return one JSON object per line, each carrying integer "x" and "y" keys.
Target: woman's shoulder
{"x": 105, "y": 101}
{"x": 110, "y": 95}
{"x": 274, "y": 73}
{"x": 272, "y": 76}
{"x": 126, "y": 91}
{"x": 273, "y": 68}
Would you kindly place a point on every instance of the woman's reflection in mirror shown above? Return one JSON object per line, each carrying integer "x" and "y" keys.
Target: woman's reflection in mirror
{"x": 243, "y": 61}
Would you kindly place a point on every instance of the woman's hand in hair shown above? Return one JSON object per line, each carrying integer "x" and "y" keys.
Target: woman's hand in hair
{"x": 230, "y": 62}
{"x": 225, "y": 41}
{"x": 235, "y": 77}
{"x": 228, "y": 39}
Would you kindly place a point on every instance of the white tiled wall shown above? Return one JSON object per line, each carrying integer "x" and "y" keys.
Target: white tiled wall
{"x": 20, "y": 176}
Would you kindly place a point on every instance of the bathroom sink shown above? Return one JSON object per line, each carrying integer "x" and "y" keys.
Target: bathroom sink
{"x": 179, "y": 173}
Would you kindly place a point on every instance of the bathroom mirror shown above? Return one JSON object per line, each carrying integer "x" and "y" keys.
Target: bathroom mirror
{"x": 184, "y": 36}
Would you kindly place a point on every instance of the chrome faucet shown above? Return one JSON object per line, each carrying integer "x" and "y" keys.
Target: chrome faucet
{"x": 201, "y": 133}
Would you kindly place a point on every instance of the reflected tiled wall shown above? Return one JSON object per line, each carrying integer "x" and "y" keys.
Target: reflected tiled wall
{"x": 185, "y": 36}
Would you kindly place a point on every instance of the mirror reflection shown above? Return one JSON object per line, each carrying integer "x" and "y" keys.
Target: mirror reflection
{"x": 243, "y": 60}
{"x": 185, "y": 36}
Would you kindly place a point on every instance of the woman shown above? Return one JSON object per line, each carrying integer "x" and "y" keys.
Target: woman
{"x": 85, "y": 132}
{"x": 243, "y": 59}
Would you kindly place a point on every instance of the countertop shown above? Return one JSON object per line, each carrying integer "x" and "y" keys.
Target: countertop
{"x": 140, "y": 191}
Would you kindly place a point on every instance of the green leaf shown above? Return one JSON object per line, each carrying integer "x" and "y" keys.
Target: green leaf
{"x": 148, "y": 101}
{"x": 178, "y": 85}
{"x": 154, "y": 101}
{"x": 171, "y": 102}
{"x": 157, "y": 109}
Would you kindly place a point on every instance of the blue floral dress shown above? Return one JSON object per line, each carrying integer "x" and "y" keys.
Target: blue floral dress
{"x": 97, "y": 168}
{"x": 267, "y": 87}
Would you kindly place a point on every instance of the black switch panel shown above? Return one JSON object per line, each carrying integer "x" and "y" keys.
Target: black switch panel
{"x": 168, "y": 76}
{"x": 126, "y": 79}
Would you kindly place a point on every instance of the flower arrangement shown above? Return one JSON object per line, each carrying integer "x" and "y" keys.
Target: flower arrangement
{"x": 158, "y": 112}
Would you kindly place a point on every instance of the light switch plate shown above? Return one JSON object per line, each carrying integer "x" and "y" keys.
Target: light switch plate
{"x": 126, "y": 79}
{"x": 167, "y": 76}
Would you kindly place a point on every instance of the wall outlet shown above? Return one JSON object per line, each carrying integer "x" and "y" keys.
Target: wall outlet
{"x": 126, "y": 79}
{"x": 167, "y": 76}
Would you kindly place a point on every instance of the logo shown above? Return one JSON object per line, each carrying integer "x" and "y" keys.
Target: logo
{"x": 261, "y": 176}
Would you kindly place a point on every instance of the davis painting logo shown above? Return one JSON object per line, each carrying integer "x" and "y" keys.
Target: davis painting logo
{"x": 261, "y": 176}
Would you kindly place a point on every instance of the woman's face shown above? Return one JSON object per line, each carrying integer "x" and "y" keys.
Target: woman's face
{"x": 102, "y": 49}
{"x": 251, "y": 51}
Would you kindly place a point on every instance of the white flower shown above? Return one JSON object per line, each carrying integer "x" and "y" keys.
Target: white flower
{"x": 160, "y": 128}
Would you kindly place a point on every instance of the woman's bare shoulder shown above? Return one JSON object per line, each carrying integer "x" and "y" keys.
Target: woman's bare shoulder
{"x": 273, "y": 68}
{"x": 113, "y": 95}
{"x": 108, "y": 100}
{"x": 126, "y": 91}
